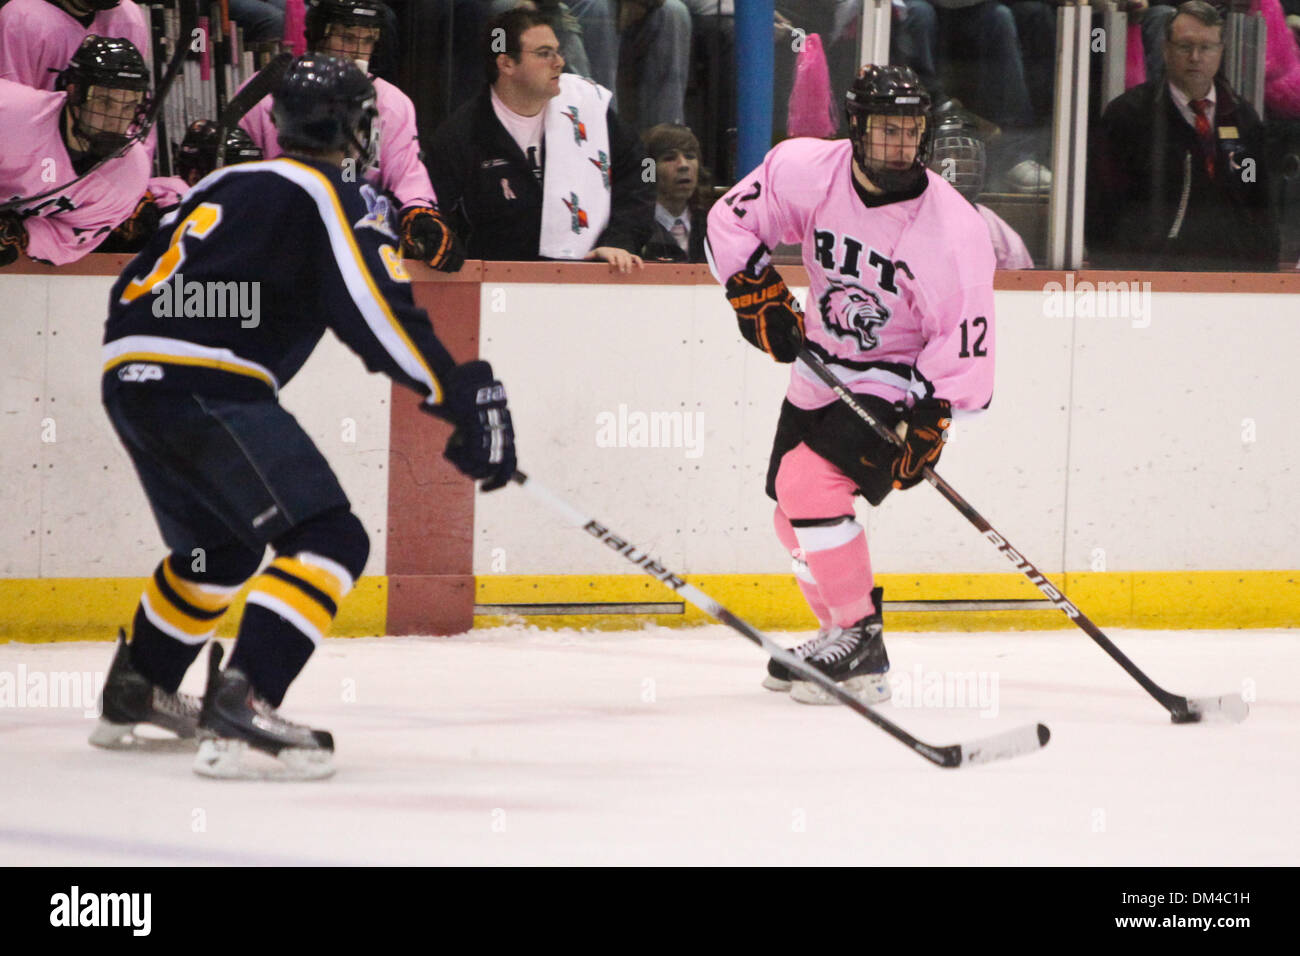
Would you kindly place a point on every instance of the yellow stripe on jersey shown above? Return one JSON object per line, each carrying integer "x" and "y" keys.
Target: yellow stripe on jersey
{"x": 196, "y": 594}
{"x": 317, "y": 577}
{"x": 345, "y": 230}
{"x": 296, "y": 599}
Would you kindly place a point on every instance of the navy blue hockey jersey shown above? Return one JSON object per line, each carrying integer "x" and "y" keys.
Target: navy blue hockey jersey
{"x": 239, "y": 283}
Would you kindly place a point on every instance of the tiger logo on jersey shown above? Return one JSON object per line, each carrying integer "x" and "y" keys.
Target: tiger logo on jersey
{"x": 850, "y": 310}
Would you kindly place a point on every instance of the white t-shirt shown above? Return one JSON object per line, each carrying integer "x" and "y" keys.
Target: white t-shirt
{"x": 527, "y": 131}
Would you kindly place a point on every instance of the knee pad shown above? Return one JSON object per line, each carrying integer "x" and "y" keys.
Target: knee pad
{"x": 336, "y": 537}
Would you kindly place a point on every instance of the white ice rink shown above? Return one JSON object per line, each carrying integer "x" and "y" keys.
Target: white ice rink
{"x": 518, "y": 746}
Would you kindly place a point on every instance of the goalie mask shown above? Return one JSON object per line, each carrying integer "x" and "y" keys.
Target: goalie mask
{"x": 889, "y": 126}
{"x": 326, "y": 103}
{"x": 958, "y": 152}
{"x": 346, "y": 28}
{"x": 107, "y": 84}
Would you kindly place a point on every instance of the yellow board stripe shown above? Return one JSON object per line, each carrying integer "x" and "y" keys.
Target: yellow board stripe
{"x": 189, "y": 591}
{"x": 317, "y": 577}
{"x": 173, "y": 615}
{"x": 296, "y": 599}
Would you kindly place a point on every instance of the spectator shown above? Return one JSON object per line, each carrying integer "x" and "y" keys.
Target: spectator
{"x": 1176, "y": 179}
{"x": 261, "y": 20}
{"x": 681, "y": 208}
{"x": 959, "y": 156}
{"x": 538, "y": 165}
{"x": 89, "y": 118}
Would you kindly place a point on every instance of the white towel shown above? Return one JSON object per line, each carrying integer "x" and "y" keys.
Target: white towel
{"x": 575, "y": 187}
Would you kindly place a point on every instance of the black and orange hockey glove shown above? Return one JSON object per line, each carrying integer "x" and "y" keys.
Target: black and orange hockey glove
{"x": 133, "y": 232}
{"x": 13, "y": 239}
{"x": 427, "y": 236}
{"x": 769, "y": 317}
{"x": 927, "y": 430}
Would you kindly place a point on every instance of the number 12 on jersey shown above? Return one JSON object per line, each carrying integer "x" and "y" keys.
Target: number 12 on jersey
{"x": 980, "y": 324}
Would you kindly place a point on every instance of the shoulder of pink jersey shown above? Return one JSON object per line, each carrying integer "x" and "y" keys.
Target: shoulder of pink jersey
{"x": 950, "y": 214}
{"x": 18, "y": 100}
{"x": 390, "y": 98}
{"x": 803, "y": 170}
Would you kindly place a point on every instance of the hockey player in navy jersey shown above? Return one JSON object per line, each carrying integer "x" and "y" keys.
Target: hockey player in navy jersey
{"x": 192, "y": 394}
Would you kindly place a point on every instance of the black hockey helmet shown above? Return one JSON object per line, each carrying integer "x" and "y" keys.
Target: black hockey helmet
{"x": 197, "y": 154}
{"x": 353, "y": 13}
{"x": 958, "y": 153}
{"x": 887, "y": 91}
{"x": 106, "y": 63}
{"x": 327, "y": 103}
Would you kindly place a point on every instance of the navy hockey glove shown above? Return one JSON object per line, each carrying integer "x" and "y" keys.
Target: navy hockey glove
{"x": 483, "y": 444}
{"x": 13, "y": 239}
{"x": 768, "y": 315}
{"x": 427, "y": 237}
{"x": 927, "y": 430}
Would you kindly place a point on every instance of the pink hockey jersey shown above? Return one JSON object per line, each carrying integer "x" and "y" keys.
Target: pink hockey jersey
{"x": 62, "y": 227}
{"x": 1009, "y": 249}
{"x": 900, "y": 299}
{"x": 168, "y": 191}
{"x": 37, "y": 39}
{"x": 401, "y": 170}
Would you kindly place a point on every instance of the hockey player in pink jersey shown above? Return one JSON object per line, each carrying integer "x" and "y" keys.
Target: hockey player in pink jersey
{"x": 39, "y": 37}
{"x": 900, "y": 307}
{"x": 351, "y": 28}
{"x": 53, "y": 137}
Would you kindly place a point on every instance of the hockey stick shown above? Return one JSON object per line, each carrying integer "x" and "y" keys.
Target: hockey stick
{"x": 264, "y": 81}
{"x": 1012, "y": 743}
{"x": 189, "y": 17}
{"x": 1182, "y": 710}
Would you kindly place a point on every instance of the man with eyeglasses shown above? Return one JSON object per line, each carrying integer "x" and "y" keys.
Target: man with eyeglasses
{"x": 538, "y": 165}
{"x": 1176, "y": 179}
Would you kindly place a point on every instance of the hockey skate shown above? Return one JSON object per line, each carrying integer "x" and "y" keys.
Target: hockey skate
{"x": 242, "y": 737}
{"x": 778, "y": 675}
{"x": 856, "y": 660}
{"x": 129, "y": 699}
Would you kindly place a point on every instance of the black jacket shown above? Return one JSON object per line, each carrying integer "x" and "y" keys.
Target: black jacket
{"x": 487, "y": 189}
{"x": 662, "y": 247}
{"x": 1147, "y": 178}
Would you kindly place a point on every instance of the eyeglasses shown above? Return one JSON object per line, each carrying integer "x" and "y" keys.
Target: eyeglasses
{"x": 1187, "y": 49}
{"x": 547, "y": 53}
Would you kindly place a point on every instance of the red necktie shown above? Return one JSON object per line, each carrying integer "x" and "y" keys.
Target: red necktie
{"x": 1202, "y": 108}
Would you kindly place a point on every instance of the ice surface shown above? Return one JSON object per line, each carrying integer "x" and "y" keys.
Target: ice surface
{"x": 518, "y": 746}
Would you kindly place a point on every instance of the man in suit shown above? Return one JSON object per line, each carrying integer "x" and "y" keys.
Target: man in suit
{"x": 1176, "y": 178}
{"x": 681, "y": 210}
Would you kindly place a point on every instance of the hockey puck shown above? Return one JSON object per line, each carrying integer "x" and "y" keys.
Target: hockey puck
{"x": 1044, "y": 735}
{"x": 1187, "y": 717}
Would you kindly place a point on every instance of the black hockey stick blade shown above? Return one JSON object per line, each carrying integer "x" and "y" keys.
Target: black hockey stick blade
{"x": 1182, "y": 710}
{"x": 260, "y": 86}
{"x": 1002, "y": 746}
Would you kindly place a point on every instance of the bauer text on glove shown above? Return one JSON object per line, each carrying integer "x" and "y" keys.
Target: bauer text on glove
{"x": 769, "y": 317}
{"x": 483, "y": 444}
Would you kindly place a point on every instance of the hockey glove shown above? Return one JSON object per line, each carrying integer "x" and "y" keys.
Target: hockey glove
{"x": 768, "y": 315}
{"x": 13, "y": 239}
{"x": 132, "y": 233}
{"x": 427, "y": 237}
{"x": 483, "y": 444}
{"x": 927, "y": 430}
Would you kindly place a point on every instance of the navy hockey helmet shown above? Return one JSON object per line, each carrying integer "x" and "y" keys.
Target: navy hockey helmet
{"x": 321, "y": 14}
{"x": 197, "y": 155}
{"x": 106, "y": 121}
{"x": 958, "y": 153}
{"x": 887, "y": 91}
{"x": 326, "y": 103}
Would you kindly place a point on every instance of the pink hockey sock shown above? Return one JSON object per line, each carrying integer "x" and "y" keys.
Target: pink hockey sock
{"x": 807, "y": 584}
{"x": 817, "y": 498}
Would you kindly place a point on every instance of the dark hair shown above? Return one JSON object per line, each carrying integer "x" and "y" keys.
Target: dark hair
{"x": 671, "y": 137}
{"x": 1200, "y": 10}
{"x": 502, "y": 32}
